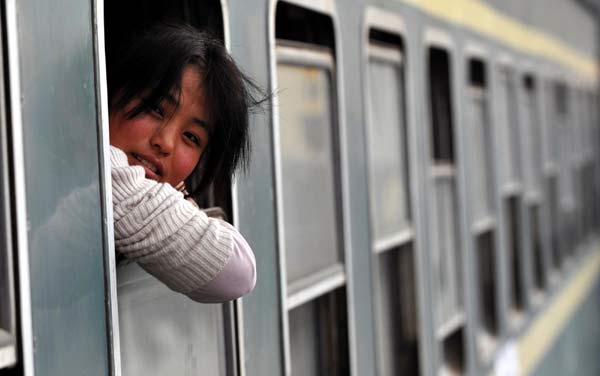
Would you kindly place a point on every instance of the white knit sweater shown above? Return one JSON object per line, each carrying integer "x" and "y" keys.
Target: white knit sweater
{"x": 170, "y": 238}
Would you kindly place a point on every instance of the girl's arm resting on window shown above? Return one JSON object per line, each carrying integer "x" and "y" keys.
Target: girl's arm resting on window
{"x": 203, "y": 258}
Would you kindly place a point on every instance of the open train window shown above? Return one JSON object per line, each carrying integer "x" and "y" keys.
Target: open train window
{"x": 481, "y": 179}
{"x": 446, "y": 257}
{"x": 192, "y": 338}
{"x": 8, "y": 324}
{"x": 307, "y": 158}
{"x": 392, "y": 225}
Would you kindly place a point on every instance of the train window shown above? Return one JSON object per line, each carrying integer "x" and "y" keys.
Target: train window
{"x": 8, "y": 352}
{"x": 480, "y": 156}
{"x": 531, "y": 137}
{"x": 566, "y": 173}
{"x": 163, "y": 332}
{"x": 393, "y": 245}
{"x": 446, "y": 258}
{"x": 481, "y": 179}
{"x": 533, "y": 174}
{"x": 308, "y": 186}
{"x": 508, "y": 127}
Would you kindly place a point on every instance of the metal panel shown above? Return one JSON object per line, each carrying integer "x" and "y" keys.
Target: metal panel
{"x": 163, "y": 332}
{"x": 255, "y": 198}
{"x": 60, "y": 145}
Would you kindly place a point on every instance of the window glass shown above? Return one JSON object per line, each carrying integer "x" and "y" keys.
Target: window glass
{"x": 387, "y": 148}
{"x": 534, "y": 135}
{"x": 480, "y": 158}
{"x": 61, "y": 149}
{"x": 508, "y": 127}
{"x": 307, "y": 170}
{"x": 166, "y": 333}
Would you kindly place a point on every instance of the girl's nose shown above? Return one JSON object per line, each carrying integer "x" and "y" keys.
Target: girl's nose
{"x": 164, "y": 139}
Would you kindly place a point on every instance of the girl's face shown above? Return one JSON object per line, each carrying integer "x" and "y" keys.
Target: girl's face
{"x": 167, "y": 140}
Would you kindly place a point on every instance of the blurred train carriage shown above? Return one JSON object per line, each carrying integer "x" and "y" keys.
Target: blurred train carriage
{"x": 421, "y": 196}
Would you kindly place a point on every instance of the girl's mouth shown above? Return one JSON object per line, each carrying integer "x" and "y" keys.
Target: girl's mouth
{"x": 147, "y": 164}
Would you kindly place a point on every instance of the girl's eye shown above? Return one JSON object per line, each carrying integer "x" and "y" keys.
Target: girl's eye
{"x": 192, "y": 137}
{"x": 157, "y": 111}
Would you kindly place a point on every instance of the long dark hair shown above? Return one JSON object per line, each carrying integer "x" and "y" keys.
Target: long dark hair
{"x": 151, "y": 66}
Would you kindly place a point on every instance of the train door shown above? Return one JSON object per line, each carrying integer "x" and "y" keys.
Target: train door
{"x": 162, "y": 332}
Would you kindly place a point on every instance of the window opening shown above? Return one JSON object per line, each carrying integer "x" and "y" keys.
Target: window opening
{"x": 294, "y": 23}
{"x": 553, "y": 200}
{"x": 487, "y": 293}
{"x": 539, "y": 275}
{"x": 441, "y": 105}
{"x": 513, "y": 227}
{"x": 318, "y": 330}
{"x": 454, "y": 353}
{"x": 194, "y": 337}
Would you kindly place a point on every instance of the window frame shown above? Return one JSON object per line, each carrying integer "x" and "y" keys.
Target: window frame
{"x": 8, "y": 333}
{"x": 232, "y": 349}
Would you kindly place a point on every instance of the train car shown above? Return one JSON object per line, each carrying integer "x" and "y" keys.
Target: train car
{"x": 421, "y": 197}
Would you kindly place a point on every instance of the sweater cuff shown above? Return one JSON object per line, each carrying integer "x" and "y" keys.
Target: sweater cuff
{"x": 118, "y": 158}
{"x": 127, "y": 181}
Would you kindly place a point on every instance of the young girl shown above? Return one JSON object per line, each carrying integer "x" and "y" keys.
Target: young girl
{"x": 179, "y": 114}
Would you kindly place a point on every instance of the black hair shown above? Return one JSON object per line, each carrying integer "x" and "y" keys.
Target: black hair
{"x": 150, "y": 67}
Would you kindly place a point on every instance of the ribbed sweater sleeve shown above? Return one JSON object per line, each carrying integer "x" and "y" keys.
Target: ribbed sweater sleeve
{"x": 168, "y": 236}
